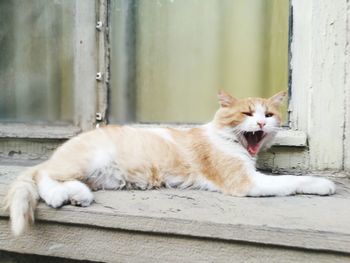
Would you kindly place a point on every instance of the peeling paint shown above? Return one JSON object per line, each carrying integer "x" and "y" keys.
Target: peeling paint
{"x": 320, "y": 85}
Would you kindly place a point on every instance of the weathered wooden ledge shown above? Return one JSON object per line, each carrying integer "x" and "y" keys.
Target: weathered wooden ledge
{"x": 196, "y": 226}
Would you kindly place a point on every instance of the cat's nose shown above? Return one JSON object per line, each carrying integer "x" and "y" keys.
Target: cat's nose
{"x": 261, "y": 124}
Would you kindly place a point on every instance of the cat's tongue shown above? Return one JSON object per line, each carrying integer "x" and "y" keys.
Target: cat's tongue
{"x": 253, "y": 148}
{"x": 253, "y": 141}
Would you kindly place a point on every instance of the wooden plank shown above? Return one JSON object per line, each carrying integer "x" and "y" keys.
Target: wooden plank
{"x": 113, "y": 245}
{"x": 301, "y": 64}
{"x": 299, "y": 221}
{"x": 85, "y": 64}
{"x": 39, "y": 131}
{"x": 28, "y": 151}
{"x": 319, "y": 78}
{"x": 103, "y": 59}
{"x": 327, "y": 109}
{"x": 291, "y": 160}
{"x": 347, "y": 96}
{"x": 290, "y": 138}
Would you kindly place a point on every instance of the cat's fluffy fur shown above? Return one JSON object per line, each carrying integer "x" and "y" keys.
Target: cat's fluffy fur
{"x": 218, "y": 156}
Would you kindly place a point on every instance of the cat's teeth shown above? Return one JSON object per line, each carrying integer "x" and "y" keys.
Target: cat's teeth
{"x": 253, "y": 132}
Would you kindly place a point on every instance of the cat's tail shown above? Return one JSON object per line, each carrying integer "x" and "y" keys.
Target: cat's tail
{"x": 21, "y": 200}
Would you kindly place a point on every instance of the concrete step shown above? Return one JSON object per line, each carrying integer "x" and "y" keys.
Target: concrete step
{"x": 188, "y": 226}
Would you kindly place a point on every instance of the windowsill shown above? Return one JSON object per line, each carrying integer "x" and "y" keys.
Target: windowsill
{"x": 37, "y": 131}
{"x": 290, "y": 138}
{"x": 284, "y": 137}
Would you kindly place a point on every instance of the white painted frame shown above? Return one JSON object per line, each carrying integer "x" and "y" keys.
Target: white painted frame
{"x": 320, "y": 63}
{"x": 90, "y": 94}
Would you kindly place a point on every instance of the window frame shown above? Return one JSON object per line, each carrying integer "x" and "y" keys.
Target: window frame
{"x": 28, "y": 144}
{"x": 89, "y": 92}
{"x": 297, "y": 148}
{"x": 320, "y": 62}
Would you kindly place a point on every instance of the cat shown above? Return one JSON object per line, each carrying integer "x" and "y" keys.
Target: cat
{"x": 218, "y": 156}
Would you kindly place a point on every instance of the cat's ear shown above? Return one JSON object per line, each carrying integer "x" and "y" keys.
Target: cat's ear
{"x": 225, "y": 99}
{"x": 278, "y": 98}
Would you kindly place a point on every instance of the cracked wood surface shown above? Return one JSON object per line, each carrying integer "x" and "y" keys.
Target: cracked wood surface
{"x": 307, "y": 222}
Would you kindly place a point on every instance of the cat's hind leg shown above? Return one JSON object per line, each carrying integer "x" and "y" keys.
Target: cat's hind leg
{"x": 78, "y": 193}
{"x": 57, "y": 194}
{"x": 51, "y": 191}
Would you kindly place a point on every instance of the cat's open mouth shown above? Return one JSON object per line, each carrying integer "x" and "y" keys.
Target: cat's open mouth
{"x": 253, "y": 141}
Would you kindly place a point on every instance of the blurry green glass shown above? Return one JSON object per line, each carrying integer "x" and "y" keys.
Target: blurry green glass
{"x": 36, "y": 65}
{"x": 170, "y": 57}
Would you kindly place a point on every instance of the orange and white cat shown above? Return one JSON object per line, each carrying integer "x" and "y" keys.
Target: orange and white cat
{"x": 218, "y": 156}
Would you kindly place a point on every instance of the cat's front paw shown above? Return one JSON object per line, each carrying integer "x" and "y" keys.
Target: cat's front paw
{"x": 317, "y": 186}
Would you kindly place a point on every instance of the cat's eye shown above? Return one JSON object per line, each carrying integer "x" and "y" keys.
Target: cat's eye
{"x": 247, "y": 113}
{"x": 268, "y": 115}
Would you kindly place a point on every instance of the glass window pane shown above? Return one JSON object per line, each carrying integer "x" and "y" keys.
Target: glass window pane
{"x": 36, "y": 66}
{"x": 170, "y": 57}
